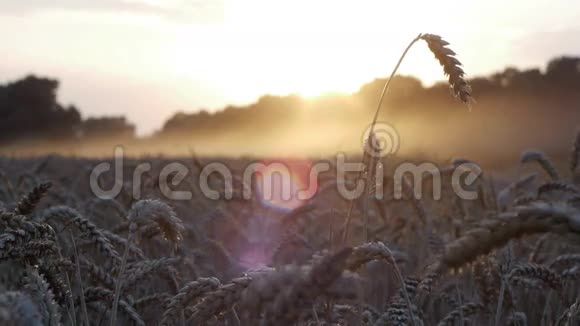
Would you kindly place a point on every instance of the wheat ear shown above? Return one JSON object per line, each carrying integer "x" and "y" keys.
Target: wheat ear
{"x": 141, "y": 212}
{"x": 40, "y": 292}
{"x": 467, "y": 309}
{"x": 543, "y": 161}
{"x": 26, "y": 205}
{"x": 451, "y": 67}
{"x": 496, "y": 232}
{"x": 216, "y": 302}
{"x": 401, "y": 310}
{"x": 162, "y": 298}
{"x": 18, "y": 232}
{"x": 187, "y": 295}
{"x": 373, "y": 251}
{"x": 564, "y": 260}
{"x": 538, "y": 272}
{"x": 97, "y": 273}
{"x": 288, "y": 305}
{"x": 160, "y": 213}
{"x": 554, "y": 186}
{"x": 92, "y": 294}
{"x": 140, "y": 270}
{"x": 262, "y": 292}
{"x": 69, "y": 215}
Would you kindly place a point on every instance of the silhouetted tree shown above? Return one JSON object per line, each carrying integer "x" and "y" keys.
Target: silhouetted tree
{"x": 565, "y": 71}
{"x": 116, "y": 127}
{"x": 28, "y": 108}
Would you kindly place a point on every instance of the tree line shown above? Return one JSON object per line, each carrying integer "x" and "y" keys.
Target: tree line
{"x": 29, "y": 107}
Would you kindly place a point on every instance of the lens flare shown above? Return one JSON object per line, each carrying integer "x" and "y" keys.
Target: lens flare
{"x": 285, "y": 184}
{"x": 254, "y": 257}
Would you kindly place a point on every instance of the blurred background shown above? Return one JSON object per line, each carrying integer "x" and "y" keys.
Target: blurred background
{"x": 284, "y": 78}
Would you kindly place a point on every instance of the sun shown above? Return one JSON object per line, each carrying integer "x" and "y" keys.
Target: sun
{"x": 303, "y": 48}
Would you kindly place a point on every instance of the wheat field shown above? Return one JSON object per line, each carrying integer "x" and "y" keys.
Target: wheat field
{"x": 510, "y": 257}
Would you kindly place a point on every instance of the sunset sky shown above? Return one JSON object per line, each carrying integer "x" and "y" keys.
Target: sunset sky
{"x": 147, "y": 59}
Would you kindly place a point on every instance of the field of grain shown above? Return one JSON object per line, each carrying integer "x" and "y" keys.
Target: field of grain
{"x": 508, "y": 256}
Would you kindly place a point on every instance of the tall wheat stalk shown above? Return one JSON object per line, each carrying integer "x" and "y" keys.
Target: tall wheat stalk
{"x": 461, "y": 89}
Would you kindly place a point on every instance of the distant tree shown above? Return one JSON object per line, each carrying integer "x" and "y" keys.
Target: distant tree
{"x": 564, "y": 70}
{"x": 401, "y": 87}
{"x": 102, "y": 127}
{"x": 28, "y": 108}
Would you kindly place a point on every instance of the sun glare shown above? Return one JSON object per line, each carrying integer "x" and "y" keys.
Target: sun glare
{"x": 292, "y": 50}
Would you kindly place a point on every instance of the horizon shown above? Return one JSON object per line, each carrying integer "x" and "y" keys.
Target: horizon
{"x": 153, "y": 59}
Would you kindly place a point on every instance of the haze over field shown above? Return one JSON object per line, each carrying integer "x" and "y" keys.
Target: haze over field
{"x": 279, "y": 78}
{"x": 515, "y": 110}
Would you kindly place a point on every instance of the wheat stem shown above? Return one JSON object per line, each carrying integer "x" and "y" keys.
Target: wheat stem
{"x": 79, "y": 280}
{"x": 500, "y": 300}
{"x": 119, "y": 283}
{"x": 373, "y": 123}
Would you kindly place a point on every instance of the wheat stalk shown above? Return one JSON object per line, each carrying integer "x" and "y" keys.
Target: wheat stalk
{"x": 187, "y": 295}
{"x": 575, "y": 155}
{"x": 564, "y": 261}
{"x": 288, "y": 305}
{"x": 570, "y": 316}
{"x": 550, "y": 187}
{"x": 17, "y": 232}
{"x": 70, "y": 216}
{"x": 543, "y": 161}
{"x": 140, "y": 270}
{"x": 119, "y": 240}
{"x": 401, "y": 309}
{"x": 162, "y": 298}
{"x": 496, "y": 232}
{"x": 537, "y": 272}
{"x": 92, "y": 294}
{"x": 141, "y": 212}
{"x": 467, "y": 309}
{"x": 160, "y": 213}
{"x": 372, "y": 251}
{"x": 220, "y": 300}
{"x": 513, "y": 188}
{"x": 96, "y": 272}
{"x": 461, "y": 89}
{"x": 264, "y": 288}
{"x": 26, "y": 205}
{"x": 40, "y": 292}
